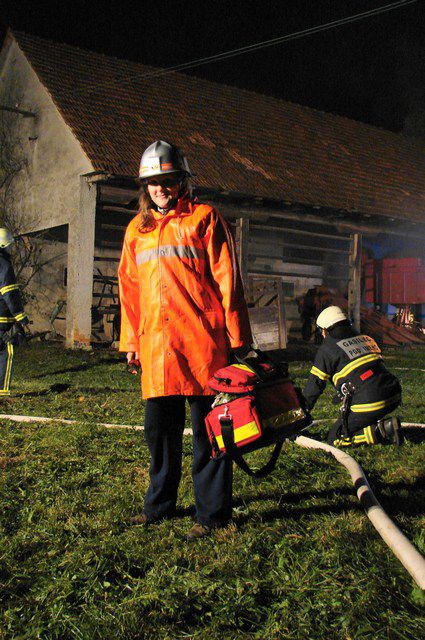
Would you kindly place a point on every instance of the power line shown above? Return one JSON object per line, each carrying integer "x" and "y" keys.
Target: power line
{"x": 269, "y": 43}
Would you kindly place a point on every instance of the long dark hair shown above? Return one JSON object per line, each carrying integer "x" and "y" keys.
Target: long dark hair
{"x": 146, "y": 219}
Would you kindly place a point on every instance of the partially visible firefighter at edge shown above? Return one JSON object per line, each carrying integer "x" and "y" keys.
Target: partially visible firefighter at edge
{"x": 13, "y": 318}
{"x": 368, "y": 392}
{"x": 183, "y": 313}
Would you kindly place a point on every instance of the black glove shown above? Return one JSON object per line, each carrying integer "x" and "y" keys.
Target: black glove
{"x": 15, "y": 335}
{"x": 18, "y": 335}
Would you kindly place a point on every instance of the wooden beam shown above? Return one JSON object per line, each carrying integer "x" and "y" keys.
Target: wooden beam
{"x": 312, "y": 247}
{"x": 309, "y": 276}
{"x": 283, "y": 336}
{"x": 302, "y": 232}
{"x": 304, "y": 260}
{"x": 243, "y": 246}
{"x": 326, "y": 218}
{"x": 117, "y": 209}
{"x": 354, "y": 283}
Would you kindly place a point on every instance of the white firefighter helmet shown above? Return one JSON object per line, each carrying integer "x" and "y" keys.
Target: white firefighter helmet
{"x": 161, "y": 158}
{"x": 6, "y": 238}
{"x": 330, "y": 316}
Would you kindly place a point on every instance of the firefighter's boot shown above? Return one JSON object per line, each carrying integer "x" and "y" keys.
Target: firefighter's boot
{"x": 389, "y": 431}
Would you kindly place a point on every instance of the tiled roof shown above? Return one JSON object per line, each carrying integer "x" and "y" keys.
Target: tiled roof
{"x": 235, "y": 140}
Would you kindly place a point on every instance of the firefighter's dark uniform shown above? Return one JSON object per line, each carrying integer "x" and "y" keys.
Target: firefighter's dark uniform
{"x": 11, "y": 312}
{"x": 346, "y": 357}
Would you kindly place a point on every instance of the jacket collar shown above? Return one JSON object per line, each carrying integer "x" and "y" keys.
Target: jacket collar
{"x": 184, "y": 208}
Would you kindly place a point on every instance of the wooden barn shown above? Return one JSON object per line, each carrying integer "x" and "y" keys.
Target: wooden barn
{"x": 300, "y": 186}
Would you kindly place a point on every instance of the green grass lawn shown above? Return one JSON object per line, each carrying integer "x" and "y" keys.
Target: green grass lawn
{"x": 301, "y": 559}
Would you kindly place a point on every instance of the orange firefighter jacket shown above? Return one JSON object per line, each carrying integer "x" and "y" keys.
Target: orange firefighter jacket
{"x": 182, "y": 303}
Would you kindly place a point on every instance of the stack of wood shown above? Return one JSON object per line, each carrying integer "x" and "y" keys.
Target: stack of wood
{"x": 384, "y": 331}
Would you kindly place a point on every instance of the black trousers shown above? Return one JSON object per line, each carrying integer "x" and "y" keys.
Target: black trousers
{"x": 6, "y": 367}
{"x": 212, "y": 479}
{"x": 358, "y": 421}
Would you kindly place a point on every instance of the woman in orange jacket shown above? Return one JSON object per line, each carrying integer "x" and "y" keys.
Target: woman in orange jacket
{"x": 182, "y": 313}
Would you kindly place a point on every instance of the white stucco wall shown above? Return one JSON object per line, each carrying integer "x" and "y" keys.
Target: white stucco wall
{"x": 46, "y": 287}
{"x": 46, "y": 192}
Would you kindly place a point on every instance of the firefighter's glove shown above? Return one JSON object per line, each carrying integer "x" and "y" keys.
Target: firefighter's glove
{"x": 17, "y": 335}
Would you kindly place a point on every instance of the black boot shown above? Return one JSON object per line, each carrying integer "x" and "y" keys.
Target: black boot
{"x": 389, "y": 431}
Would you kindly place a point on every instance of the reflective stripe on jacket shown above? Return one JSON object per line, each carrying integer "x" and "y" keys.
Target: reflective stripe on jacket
{"x": 182, "y": 303}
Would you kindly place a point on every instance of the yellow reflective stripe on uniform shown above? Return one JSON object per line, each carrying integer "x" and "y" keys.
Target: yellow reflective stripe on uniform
{"x": 353, "y": 365}
{"x": 7, "y": 319}
{"x": 320, "y": 374}
{"x": 243, "y": 366}
{"x": 375, "y": 406}
{"x": 343, "y": 442}
{"x": 20, "y": 316}
{"x": 9, "y": 287}
{"x": 242, "y": 433}
{"x": 359, "y": 439}
{"x": 6, "y": 384}
{"x": 369, "y": 435}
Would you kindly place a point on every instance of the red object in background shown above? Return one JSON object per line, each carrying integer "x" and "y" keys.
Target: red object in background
{"x": 395, "y": 281}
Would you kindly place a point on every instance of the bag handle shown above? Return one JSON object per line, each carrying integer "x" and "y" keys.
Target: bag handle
{"x": 264, "y": 357}
{"x": 233, "y": 452}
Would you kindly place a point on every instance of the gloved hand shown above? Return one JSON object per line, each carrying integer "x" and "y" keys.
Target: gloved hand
{"x": 17, "y": 334}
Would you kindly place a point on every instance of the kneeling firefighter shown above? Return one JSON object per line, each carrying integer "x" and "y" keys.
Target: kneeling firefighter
{"x": 13, "y": 318}
{"x": 367, "y": 390}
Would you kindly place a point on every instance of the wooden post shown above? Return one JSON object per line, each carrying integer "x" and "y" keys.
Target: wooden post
{"x": 354, "y": 283}
{"x": 243, "y": 246}
{"x": 80, "y": 268}
{"x": 283, "y": 337}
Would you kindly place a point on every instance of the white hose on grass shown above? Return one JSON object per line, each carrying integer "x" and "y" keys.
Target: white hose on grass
{"x": 107, "y": 425}
{"x": 408, "y": 555}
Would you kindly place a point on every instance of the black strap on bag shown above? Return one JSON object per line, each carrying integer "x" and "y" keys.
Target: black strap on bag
{"x": 233, "y": 451}
{"x": 277, "y": 368}
{"x": 347, "y": 392}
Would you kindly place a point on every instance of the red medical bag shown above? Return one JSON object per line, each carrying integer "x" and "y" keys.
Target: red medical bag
{"x": 257, "y": 405}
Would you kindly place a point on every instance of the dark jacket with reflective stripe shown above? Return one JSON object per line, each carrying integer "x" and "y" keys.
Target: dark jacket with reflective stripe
{"x": 11, "y": 305}
{"x": 345, "y": 356}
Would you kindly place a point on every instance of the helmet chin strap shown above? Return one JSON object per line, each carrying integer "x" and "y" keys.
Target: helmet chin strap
{"x": 171, "y": 205}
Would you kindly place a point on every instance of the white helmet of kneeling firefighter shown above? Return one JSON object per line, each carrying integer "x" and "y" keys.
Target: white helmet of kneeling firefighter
{"x": 162, "y": 158}
{"x": 330, "y": 317}
{"x": 6, "y": 238}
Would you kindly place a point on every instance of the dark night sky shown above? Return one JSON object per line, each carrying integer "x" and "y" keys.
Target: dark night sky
{"x": 372, "y": 70}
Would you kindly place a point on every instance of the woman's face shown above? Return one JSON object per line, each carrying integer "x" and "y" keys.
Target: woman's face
{"x": 164, "y": 189}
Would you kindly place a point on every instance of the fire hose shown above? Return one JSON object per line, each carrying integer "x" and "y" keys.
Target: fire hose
{"x": 402, "y": 548}
{"x": 408, "y": 555}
